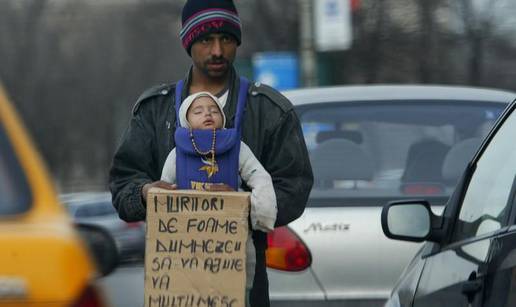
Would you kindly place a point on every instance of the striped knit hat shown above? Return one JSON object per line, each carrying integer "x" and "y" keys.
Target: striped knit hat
{"x": 201, "y": 17}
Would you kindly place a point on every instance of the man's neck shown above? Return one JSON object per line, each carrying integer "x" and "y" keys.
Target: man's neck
{"x": 201, "y": 83}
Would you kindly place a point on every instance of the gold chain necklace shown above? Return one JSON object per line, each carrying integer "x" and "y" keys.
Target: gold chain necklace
{"x": 212, "y": 168}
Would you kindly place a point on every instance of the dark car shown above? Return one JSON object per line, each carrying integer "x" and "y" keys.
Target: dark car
{"x": 95, "y": 208}
{"x": 469, "y": 258}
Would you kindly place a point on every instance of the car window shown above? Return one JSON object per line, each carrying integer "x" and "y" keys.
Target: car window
{"x": 15, "y": 194}
{"x": 370, "y": 152}
{"x": 93, "y": 209}
{"x": 105, "y": 208}
{"x": 82, "y": 211}
{"x": 487, "y": 201}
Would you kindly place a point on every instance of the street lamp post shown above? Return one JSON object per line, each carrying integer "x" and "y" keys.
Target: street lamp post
{"x": 307, "y": 51}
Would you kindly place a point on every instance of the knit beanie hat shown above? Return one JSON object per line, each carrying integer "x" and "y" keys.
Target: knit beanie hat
{"x": 185, "y": 105}
{"x": 201, "y": 17}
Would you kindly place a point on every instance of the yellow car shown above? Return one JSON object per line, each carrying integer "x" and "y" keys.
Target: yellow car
{"x": 44, "y": 260}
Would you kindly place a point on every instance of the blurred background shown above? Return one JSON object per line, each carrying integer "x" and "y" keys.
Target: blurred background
{"x": 75, "y": 68}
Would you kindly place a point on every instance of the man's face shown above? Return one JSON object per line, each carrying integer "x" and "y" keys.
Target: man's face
{"x": 204, "y": 113}
{"x": 213, "y": 54}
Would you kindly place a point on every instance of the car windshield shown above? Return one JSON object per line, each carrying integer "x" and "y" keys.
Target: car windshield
{"x": 14, "y": 191}
{"x": 366, "y": 153}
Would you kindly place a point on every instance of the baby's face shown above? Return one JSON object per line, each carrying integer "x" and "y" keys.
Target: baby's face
{"x": 204, "y": 114}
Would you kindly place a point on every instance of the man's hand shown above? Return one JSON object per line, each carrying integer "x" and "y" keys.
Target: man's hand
{"x": 156, "y": 184}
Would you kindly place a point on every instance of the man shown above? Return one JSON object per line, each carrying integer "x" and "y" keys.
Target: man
{"x": 211, "y": 34}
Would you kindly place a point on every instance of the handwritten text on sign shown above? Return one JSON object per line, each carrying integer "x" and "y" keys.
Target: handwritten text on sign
{"x": 195, "y": 248}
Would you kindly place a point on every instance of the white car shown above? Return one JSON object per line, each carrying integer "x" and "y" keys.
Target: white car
{"x": 369, "y": 145}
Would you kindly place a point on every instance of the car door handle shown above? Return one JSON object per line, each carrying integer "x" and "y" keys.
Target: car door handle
{"x": 470, "y": 287}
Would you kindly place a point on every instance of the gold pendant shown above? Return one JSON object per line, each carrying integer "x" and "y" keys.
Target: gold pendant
{"x": 211, "y": 167}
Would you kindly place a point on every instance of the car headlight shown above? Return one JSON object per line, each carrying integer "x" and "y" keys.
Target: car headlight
{"x": 394, "y": 301}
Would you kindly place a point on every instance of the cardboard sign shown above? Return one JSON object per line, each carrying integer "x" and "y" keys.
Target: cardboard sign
{"x": 195, "y": 250}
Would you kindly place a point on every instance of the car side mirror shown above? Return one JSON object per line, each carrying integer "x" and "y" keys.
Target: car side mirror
{"x": 101, "y": 245}
{"x": 411, "y": 220}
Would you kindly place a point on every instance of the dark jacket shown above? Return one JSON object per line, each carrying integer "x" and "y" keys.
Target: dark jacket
{"x": 271, "y": 129}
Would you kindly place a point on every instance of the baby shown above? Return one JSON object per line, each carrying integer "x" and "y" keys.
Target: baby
{"x": 203, "y": 111}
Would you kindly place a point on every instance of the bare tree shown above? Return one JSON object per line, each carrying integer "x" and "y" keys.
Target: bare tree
{"x": 75, "y": 68}
{"x": 478, "y": 26}
{"x": 427, "y": 39}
